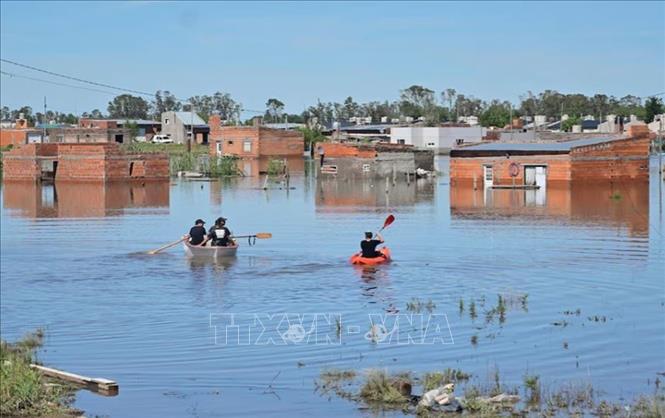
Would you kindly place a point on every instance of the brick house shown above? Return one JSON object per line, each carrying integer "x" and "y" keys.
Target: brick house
{"x": 551, "y": 163}
{"x": 256, "y": 144}
{"x": 82, "y": 162}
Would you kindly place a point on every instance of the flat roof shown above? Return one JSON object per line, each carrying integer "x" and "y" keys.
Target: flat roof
{"x": 535, "y": 147}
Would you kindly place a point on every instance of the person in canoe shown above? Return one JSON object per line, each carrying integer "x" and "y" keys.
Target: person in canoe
{"x": 369, "y": 244}
{"x": 197, "y": 234}
{"x": 219, "y": 234}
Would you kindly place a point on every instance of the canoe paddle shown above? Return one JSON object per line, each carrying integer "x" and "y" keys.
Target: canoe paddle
{"x": 259, "y": 235}
{"x": 389, "y": 220}
{"x": 167, "y": 246}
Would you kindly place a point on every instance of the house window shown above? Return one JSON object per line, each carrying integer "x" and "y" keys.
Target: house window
{"x": 401, "y": 141}
{"x": 219, "y": 148}
{"x": 229, "y": 142}
{"x": 247, "y": 146}
{"x": 166, "y": 121}
{"x": 431, "y": 144}
{"x": 459, "y": 141}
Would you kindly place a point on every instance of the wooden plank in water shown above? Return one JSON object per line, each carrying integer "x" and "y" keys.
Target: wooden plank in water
{"x": 95, "y": 384}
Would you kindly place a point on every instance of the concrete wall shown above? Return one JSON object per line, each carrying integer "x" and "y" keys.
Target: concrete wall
{"x": 440, "y": 139}
{"x": 174, "y": 127}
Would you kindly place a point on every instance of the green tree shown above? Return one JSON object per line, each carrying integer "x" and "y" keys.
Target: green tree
{"x": 274, "y": 110}
{"x": 567, "y": 125}
{"x": 133, "y": 129}
{"x": 127, "y": 106}
{"x": 496, "y": 114}
{"x": 165, "y": 102}
{"x": 652, "y": 107}
{"x": 415, "y": 99}
{"x": 450, "y": 95}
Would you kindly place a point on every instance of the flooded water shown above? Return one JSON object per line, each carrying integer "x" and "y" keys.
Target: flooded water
{"x": 580, "y": 269}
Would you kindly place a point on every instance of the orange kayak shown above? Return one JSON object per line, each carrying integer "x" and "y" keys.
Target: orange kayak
{"x": 358, "y": 259}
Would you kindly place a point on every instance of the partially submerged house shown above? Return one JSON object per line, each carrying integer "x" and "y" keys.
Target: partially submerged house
{"x": 540, "y": 164}
{"x": 373, "y": 160}
{"x": 256, "y": 146}
{"x": 99, "y": 162}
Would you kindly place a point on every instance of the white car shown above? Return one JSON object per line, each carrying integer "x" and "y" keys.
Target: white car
{"x": 162, "y": 139}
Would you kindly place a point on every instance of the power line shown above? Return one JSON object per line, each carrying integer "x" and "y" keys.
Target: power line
{"x": 94, "y": 83}
{"x": 80, "y": 80}
{"x": 55, "y": 83}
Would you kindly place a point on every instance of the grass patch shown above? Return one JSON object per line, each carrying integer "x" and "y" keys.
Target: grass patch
{"x": 381, "y": 388}
{"x": 433, "y": 380}
{"x": 223, "y": 167}
{"x": 23, "y": 391}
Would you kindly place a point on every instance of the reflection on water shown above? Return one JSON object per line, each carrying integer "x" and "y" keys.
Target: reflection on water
{"x": 110, "y": 310}
{"x": 625, "y": 204}
{"x": 82, "y": 200}
{"x": 349, "y": 195}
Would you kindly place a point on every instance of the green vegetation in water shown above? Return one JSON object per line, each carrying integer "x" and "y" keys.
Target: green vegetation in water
{"x": 170, "y": 149}
{"x": 23, "y": 390}
{"x": 275, "y": 167}
{"x": 433, "y": 380}
{"x": 461, "y": 306}
{"x": 417, "y": 306}
{"x": 380, "y": 387}
{"x": 532, "y": 387}
{"x": 381, "y": 390}
{"x": 472, "y": 310}
{"x": 336, "y": 381}
{"x": 223, "y": 167}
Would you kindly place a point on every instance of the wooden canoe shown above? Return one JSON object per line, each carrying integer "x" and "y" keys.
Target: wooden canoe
{"x": 210, "y": 251}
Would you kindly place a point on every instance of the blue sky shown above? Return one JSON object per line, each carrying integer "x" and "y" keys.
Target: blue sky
{"x": 301, "y": 52}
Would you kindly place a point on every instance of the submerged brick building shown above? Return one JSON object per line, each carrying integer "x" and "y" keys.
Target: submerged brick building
{"x": 550, "y": 163}
{"x": 256, "y": 145}
{"x": 373, "y": 160}
{"x": 82, "y": 162}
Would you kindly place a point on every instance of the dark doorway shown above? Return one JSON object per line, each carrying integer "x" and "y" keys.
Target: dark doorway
{"x": 119, "y": 138}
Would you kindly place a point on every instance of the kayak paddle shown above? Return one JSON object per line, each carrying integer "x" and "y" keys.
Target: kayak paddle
{"x": 389, "y": 220}
{"x": 167, "y": 246}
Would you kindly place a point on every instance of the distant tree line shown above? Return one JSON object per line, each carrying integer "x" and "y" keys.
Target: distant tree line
{"x": 417, "y": 102}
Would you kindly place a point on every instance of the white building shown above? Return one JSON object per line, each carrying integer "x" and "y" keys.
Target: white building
{"x": 441, "y": 139}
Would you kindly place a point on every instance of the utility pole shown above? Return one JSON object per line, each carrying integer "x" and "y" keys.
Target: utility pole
{"x": 44, "y": 122}
{"x": 191, "y": 127}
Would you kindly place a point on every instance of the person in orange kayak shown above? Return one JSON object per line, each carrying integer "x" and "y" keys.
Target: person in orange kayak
{"x": 369, "y": 244}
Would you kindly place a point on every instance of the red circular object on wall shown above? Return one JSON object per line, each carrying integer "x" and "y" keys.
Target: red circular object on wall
{"x": 514, "y": 169}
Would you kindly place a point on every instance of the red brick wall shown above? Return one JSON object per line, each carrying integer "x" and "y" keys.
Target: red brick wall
{"x": 280, "y": 142}
{"x": 463, "y": 170}
{"x": 626, "y": 159}
{"x": 264, "y": 141}
{"x": 97, "y": 123}
{"x": 13, "y": 137}
{"x": 336, "y": 150}
{"x": 21, "y": 163}
{"x": 84, "y": 162}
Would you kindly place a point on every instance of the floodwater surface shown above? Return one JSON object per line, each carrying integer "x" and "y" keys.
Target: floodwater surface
{"x": 580, "y": 270}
